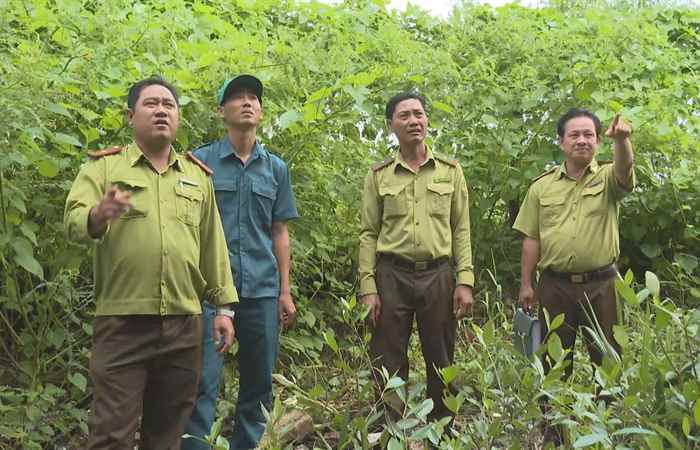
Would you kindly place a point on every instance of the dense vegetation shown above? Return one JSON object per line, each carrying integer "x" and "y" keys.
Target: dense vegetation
{"x": 496, "y": 79}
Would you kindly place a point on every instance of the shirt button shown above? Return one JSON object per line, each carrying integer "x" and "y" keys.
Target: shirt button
{"x": 417, "y": 223}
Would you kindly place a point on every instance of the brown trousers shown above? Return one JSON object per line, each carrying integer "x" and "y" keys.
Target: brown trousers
{"x": 427, "y": 295}
{"x": 148, "y": 367}
{"x": 578, "y": 302}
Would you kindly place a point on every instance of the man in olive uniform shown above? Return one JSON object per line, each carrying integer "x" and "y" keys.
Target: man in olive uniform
{"x": 415, "y": 250}
{"x": 159, "y": 249}
{"x": 569, "y": 220}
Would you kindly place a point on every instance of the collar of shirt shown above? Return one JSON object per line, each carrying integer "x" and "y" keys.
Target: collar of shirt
{"x": 399, "y": 161}
{"x": 561, "y": 171}
{"x": 134, "y": 153}
{"x": 226, "y": 149}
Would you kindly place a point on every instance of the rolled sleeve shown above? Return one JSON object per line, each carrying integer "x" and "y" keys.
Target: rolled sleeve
{"x": 527, "y": 221}
{"x": 285, "y": 204}
{"x": 461, "y": 239}
{"x": 86, "y": 192}
{"x": 214, "y": 260}
{"x": 369, "y": 232}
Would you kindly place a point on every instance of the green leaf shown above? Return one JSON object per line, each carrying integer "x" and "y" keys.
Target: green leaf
{"x": 621, "y": 336}
{"x": 66, "y": 139}
{"x": 448, "y": 374}
{"x": 394, "y": 383}
{"x": 590, "y": 439}
{"x": 329, "y": 337}
{"x": 633, "y": 430}
{"x": 289, "y": 118}
{"x": 59, "y": 109}
{"x": 651, "y": 250}
{"x": 78, "y": 380}
{"x": 687, "y": 262}
{"x": 626, "y": 292}
{"x": 394, "y": 444}
{"x": 556, "y": 323}
{"x": 686, "y": 426}
{"x": 652, "y": 283}
{"x": 424, "y": 408}
{"x": 24, "y": 257}
{"x": 696, "y": 412}
{"x": 554, "y": 347}
{"x": 47, "y": 168}
{"x": 407, "y": 423}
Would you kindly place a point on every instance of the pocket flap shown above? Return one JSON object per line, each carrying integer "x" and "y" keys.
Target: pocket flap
{"x": 441, "y": 188}
{"x": 552, "y": 201}
{"x": 191, "y": 192}
{"x": 594, "y": 190}
{"x": 265, "y": 191}
{"x": 225, "y": 185}
{"x": 130, "y": 184}
{"x": 390, "y": 189}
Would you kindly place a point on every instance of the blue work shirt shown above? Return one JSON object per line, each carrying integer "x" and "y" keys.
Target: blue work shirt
{"x": 250, "y": 196}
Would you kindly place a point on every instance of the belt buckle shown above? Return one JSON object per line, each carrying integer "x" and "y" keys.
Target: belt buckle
{"x": 578, "y": 278}
{"x": 421, "y": 265}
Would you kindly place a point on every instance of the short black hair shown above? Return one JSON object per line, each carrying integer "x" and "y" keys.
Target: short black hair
{"x": 398, "y": 98}
{"x": 136, "y": 88}
{"x": 578, "y": 112}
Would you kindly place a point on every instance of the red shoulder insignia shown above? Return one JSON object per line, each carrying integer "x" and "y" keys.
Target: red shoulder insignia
{"x": 199, "y": 163}
{"x": 383, "y": 164}
{"x": 97, "y": 154}
{"x": 545, "y": 173}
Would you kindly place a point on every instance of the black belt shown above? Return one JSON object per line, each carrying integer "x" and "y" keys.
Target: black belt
{"x": 415, "y": 266}
{"x": 602, "y": 273}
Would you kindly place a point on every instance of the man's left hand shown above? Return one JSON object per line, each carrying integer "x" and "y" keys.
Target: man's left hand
{"x": 223, "y": 330}
{"x": 619, "y": 130}
{"x": 286, "y": 310}
{"x": 462, "y": 301}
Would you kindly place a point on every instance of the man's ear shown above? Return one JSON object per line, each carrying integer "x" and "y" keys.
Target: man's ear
{"x": 129, "y": 116}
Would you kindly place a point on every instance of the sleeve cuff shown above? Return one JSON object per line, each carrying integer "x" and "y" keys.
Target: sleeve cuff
{"x": 465, "y": 277}
{"x": 223, "y": 296}
{"x": 368, "y": 286}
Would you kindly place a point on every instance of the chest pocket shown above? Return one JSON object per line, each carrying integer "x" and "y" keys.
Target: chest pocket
{"x": 551, "y": 210}
{"x": 188, "y": 204}
{"x": 593, "y": 200}
{"x": 440, "y": 198}
{"x": 139, "y": 198}
{"x": 226, "y": 191}
{"x": 393, "y": 199}
{"x": 263, "y": 199}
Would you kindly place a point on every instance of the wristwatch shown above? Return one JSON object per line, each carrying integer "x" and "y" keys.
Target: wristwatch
{"x": 225, "y": 312}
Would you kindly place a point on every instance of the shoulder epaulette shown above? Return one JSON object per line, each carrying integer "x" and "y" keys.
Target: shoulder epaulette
{"x": 203, "y": 145}
{"x": 97, "y": 154}
{"x": 545, "y": 173}
{"x": 199, "y": 163}
{"x": 383, "y": 164}
{"x": 446, "y": 160}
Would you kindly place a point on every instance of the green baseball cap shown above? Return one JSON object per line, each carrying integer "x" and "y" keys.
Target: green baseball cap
{"x": 240, "y": 82}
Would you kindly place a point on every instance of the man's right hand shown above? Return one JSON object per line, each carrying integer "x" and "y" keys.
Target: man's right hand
{"x": 375, "y": 307}
{"x": 527, "y": 298}
{"x": 113, "y": 205}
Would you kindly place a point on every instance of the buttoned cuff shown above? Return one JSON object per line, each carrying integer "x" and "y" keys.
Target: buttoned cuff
{"x": 465, "y": 277}
{"x": 79, "y": 230}
{"x": 222, "y": 296}
{"x": 368, "y": 286}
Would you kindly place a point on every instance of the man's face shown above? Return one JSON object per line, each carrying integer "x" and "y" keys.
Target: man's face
{"x": 580, "y": 141}
{"x": 409, "y": 122}
{"x": 155, "y": 116}
{"x": 241, "y": 109}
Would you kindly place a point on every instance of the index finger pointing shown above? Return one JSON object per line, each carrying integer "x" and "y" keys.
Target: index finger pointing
{"x": 616, "y": 119}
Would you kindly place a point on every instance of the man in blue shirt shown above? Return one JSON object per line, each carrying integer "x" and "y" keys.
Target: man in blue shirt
{"x": 255, "y": 199}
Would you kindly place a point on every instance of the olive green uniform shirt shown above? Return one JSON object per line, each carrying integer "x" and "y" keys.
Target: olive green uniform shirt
{"x": 168, "y": 251}
{"x": 418, "y": 216}
{"x": 576, "y": 221}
